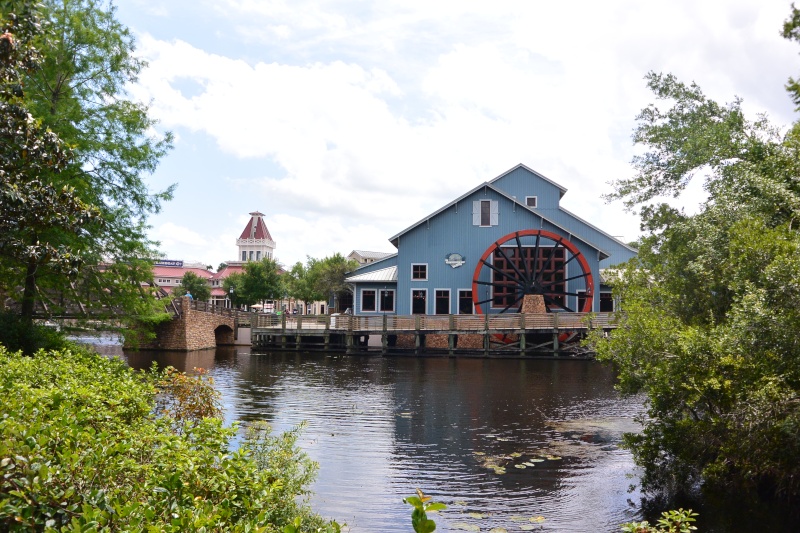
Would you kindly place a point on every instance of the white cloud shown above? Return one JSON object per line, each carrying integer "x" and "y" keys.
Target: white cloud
{"x": 370, "y": 116}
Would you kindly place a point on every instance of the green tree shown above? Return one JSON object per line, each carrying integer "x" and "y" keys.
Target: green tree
{"x": 34, "y": 208}
{"x": 196, "y": 286}
{"x": 710, "y": 328}
{"x": 262, "y": 281}
{"x": 301, "y": 282}
{"x": 78, "y": 91}
{"x": 233, "y": 285}
{"x": 329, "y": 274}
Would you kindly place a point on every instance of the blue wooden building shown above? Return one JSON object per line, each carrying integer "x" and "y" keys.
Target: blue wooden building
{"x": 484, "y": 251}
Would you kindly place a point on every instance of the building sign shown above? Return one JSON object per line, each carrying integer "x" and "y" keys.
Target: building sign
{"x": 169, "y": 263}
{"x": 454, "y": 260}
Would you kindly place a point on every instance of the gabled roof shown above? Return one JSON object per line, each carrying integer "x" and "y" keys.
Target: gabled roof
{"x": 256, "y": 228}
{"x": 395, "y": 240}
{"x": 548, "y": 180}
{"x": 384, "y": 274}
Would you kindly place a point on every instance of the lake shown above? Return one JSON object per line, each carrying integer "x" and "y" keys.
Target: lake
{"x": 506, "y": 444}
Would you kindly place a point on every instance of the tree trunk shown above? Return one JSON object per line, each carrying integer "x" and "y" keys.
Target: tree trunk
{"x": 29, "y": 293}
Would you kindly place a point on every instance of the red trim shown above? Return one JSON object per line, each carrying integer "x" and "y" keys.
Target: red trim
{"x": 587, "y": 306}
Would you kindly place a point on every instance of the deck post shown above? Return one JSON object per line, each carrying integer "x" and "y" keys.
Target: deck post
{"x": 486, "y": 334}
{"x": 327, "y": 334}
{"x": 451, "y": 340}
{"x": 522, "y": 346}
{"x": 555, "y": 334}
{"x": 385, "y": 335}
{"x": 417, "y": 339}
{"x": 298, "y": 334}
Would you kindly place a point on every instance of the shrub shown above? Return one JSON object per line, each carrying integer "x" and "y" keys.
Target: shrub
{"x": 81, "y": 449}
{"x": 17, "y": 334}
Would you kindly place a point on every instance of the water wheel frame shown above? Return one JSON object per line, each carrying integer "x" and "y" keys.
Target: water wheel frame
{"x": 530, "y": 282}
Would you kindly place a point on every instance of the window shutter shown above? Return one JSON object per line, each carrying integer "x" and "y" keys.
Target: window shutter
{"x": 476, "y": 213}
{"x": 494, "y": 213}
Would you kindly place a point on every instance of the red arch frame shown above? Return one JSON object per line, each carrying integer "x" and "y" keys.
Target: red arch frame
{"x": 587, "y": 306}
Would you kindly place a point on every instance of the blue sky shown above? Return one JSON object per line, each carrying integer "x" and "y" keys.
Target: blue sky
{"x": 346, "y": 121}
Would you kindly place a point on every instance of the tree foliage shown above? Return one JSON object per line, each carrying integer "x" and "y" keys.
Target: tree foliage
{"x": 302, "y": 282}
{"x": 34, "y": 211}
{"x": 262, "y": 281}
{"x": 710, "y": 327}
{"x": 329, "y": 274}
{"x": 195, "y": 285}
{"x": 85, "y": 240}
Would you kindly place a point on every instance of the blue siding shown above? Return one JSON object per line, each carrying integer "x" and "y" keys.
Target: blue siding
{"x": 452, "y": 231}
{"x": 521, "y": 182}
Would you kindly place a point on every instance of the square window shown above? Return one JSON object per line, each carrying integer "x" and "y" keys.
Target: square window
{"x": 368, "y": 300}
{"x": 531, "y": 201}
{"x": 419, "y": 271}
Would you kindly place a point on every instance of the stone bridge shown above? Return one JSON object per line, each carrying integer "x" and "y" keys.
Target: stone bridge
{"x": 195, "y": 326}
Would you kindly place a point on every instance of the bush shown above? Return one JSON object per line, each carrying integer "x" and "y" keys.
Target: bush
{"x": 82, "y": 449}
{"x": 17, "y": 334}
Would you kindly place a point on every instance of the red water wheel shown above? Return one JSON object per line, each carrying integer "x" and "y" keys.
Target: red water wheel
{"x": 532, "y": 262}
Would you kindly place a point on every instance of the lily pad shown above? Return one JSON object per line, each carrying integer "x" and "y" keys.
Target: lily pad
{"x": 537, "y": 519}
{"x": 498, "y": 530}
{"x": 520, "y": 466}
{"x": 479, "y": 453}
{"x": 499, "y": 470}
{"x": 460, "y": 502}
{"x": 553, "y": 457}
{"x": 528, "y": 463}
{"x": 463, "y": 526}
{"x": 477, "y": 515}
{"x": 515, "y": 454}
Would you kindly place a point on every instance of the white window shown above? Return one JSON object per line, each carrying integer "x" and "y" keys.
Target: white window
{"x": 386, "y": 301}
{"x": 258, "y": 255}
{"x": 485, "y": 213}
{"x": 532, "y": 201}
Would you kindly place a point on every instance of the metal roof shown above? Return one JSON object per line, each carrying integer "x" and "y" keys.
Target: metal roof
{"x": 384, "y": 274}
{"x": 372, "y": 255}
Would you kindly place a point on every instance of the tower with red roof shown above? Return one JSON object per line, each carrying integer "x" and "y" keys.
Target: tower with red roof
{"x": 255, "y": 242}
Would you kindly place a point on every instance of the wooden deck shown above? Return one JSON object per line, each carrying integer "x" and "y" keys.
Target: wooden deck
{"x": 485, "y": 335}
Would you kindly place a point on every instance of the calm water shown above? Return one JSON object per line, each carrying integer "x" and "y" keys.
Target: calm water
{"x": 459, "y": 429}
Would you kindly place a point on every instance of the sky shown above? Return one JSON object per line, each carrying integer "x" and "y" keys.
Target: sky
{"x": 347, "y": 121}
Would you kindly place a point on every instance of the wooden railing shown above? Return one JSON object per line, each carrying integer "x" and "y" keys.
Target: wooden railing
{"x": 432, "y": 323}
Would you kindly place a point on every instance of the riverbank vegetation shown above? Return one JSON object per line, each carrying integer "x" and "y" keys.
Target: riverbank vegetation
{"x": 710, "y": 326}
{"x": 86, "y": 446}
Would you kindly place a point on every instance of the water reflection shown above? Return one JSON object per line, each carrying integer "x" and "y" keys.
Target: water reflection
{"x": 499, "y": 441}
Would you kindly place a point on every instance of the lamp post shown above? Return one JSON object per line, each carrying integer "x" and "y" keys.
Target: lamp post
{"x": 230, "y": 298}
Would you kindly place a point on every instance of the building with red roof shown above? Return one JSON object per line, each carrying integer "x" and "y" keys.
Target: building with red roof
{"x": 255, "y": 243}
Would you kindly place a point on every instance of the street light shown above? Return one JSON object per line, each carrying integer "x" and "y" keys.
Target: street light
{"x": 230, "y": 291}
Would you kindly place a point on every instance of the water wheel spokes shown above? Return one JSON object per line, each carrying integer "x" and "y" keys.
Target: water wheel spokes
{"x": 511, "y": 270}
